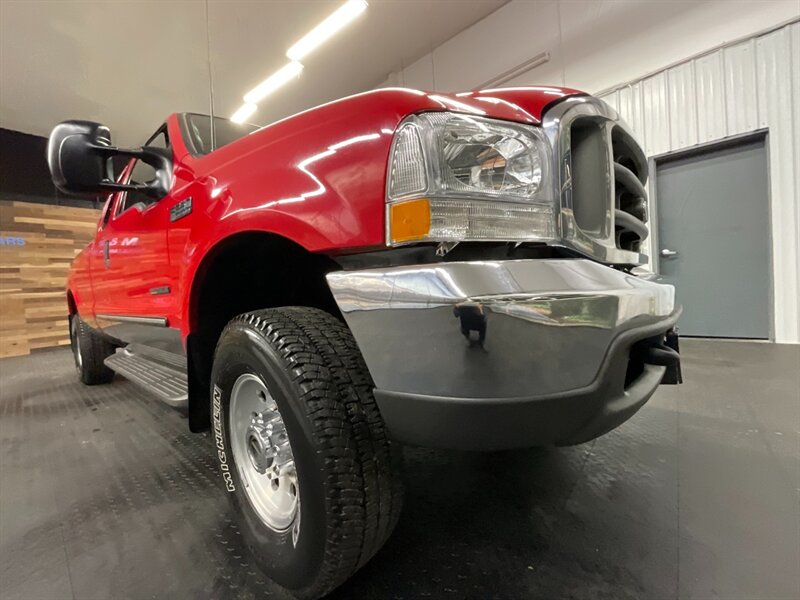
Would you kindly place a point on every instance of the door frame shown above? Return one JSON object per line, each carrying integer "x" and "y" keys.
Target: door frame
{"x": 653, "y": 163}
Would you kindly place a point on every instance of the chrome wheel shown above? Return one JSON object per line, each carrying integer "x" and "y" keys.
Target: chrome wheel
{"x": 76, "y": 343}
{"x": 263, "y": 455}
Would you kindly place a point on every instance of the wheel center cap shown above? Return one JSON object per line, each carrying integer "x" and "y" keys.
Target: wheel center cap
{"x": 259, "y": 445}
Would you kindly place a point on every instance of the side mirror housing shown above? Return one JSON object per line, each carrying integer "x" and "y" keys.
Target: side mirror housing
{"x": 79, "y": 155}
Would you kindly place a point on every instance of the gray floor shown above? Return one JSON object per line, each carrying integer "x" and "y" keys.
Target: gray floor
{"x": 105, "y": 494}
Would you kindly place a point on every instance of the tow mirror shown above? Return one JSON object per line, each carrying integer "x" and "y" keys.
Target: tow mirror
{"x": 79, "y": 155}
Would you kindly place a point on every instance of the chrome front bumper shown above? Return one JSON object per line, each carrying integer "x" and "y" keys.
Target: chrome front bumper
{"x": 500, "y": 333}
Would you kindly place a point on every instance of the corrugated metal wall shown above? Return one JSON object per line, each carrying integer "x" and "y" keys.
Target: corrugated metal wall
{"x": 744, "y": 87}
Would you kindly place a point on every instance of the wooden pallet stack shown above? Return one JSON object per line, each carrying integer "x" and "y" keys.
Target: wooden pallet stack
{"x": 37, "y": 245}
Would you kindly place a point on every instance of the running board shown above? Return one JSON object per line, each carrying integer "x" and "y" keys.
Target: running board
{"x": 158, "y": 371}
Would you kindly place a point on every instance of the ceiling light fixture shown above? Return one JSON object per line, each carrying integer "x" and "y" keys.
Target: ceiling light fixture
{"x": 244, "y": 112}
{"x": 325, "y": 30}
{"x": 273, "y": 82}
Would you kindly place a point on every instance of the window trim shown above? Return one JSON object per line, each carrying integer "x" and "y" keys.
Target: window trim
{"x": 109, "y": 207}
{"x": 127, "y": 172}
{"x": 188, "y": 139}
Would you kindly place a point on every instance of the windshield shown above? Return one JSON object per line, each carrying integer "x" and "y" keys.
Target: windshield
{"x": 225, "y": 132}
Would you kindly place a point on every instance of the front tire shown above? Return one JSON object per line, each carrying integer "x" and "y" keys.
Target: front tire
{"x": 89, "y": 349}
{"x": 293, "y": 410}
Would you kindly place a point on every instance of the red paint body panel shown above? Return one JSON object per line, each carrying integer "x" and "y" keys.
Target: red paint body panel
{"x": 316, "y": 178}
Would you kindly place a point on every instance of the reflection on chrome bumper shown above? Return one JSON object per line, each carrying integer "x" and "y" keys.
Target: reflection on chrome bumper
{"x": 494, "y": 329}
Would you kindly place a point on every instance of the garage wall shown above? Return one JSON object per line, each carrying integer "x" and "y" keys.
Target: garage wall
{"x": 621, "y": 51}
{"x": 744, "y": 87}
{"x": 37, "y": 244}
{"x": 592, "y": 45}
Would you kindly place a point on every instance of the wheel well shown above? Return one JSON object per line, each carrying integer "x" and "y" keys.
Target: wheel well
{"x": 247, "y": 271}
{"x": 71, "y": 306}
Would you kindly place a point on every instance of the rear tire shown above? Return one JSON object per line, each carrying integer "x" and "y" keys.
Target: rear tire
{"x": 89, "y": 349}
{"x": 304, "y": 365}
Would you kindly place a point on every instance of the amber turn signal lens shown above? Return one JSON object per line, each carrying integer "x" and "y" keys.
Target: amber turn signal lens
{"x": 410, "y": 220}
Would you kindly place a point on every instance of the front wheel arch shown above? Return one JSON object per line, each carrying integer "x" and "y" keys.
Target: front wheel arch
{"x": 246, "y": 271}
{"x": 72, "y": 307}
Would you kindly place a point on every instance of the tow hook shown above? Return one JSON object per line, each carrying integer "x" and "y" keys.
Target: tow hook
{"x": 663, "y": 351}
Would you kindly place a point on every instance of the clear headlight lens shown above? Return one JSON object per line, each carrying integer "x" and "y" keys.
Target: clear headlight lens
{"x": 477, "y": 178}
{"x": 496, "y": 160}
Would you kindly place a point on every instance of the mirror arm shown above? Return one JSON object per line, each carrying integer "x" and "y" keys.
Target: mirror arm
{"x": 157, "y": 158}
{"x": 113, "y": 186}
{"x": 152, "y": 156}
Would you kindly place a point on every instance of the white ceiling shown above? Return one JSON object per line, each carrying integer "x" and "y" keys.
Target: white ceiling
{"x": 129, "y": 63}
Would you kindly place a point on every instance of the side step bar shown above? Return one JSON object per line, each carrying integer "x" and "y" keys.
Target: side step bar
{"x": 158, "y": 371}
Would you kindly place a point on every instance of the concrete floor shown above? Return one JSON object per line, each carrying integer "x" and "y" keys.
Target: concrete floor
{"x": 105, "y": 494}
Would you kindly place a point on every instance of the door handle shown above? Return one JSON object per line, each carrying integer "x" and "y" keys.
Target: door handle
{"x": 666, "y": 253}
{"x": 106, "y": 256}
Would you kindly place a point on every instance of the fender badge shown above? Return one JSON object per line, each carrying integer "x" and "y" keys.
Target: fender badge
{"x": 180, "y": 210}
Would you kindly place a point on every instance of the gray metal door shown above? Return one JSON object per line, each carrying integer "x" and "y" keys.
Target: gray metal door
{"x": 714, "y": 238}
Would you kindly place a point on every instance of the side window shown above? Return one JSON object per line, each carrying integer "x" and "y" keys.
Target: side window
{"x": 225, "y": 132}
{"x": 142, "y": 173}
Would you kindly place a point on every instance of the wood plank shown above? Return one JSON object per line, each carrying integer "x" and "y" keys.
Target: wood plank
{"x": 33, "y": 277}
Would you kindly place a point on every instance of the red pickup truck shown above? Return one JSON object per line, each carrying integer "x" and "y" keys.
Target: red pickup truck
{"x": 446, "y": 270}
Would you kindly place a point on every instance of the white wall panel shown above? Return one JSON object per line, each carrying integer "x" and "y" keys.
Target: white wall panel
{"x": 709, "y": 83}
{"x": 656, "y": 114}
{"x": 682, "y": 104}
{"x": 774, "y": 60}
{"x": 741, "y": 101}
{"x": 630, "y": 109}
{"x": 608, "y": 43}
{"x": 612, "y": 100}
{"x": 742, "y": 88}
{"x": 795, "y": 161}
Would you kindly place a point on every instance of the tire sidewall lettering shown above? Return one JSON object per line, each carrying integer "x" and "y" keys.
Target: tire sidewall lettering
{"x": 219, "y": 439}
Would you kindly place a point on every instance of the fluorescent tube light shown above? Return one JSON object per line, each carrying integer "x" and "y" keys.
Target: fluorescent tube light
{"x": 325, "y": 30}
{"x": 273, "y": 82}
{"x": 244, "y": 112}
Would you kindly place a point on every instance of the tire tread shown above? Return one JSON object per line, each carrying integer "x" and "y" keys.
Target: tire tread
{"x": 363, "y": 489}
{"x": 94, "y": 350}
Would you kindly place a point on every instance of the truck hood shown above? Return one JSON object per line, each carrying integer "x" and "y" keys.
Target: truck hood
{"x": 319, "y": 177}
{"x": 379, "y": 112}
{"x": 526, "y": 104}
{"x": 522, "y": 104}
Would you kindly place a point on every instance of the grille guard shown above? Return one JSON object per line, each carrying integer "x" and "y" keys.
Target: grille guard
{"x": 602, "y": 245}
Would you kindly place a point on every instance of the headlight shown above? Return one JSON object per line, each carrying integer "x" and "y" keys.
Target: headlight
{"x": 456, "y": 177}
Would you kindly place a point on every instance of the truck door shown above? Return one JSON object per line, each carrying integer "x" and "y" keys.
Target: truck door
{"x": 131, "y": 266}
